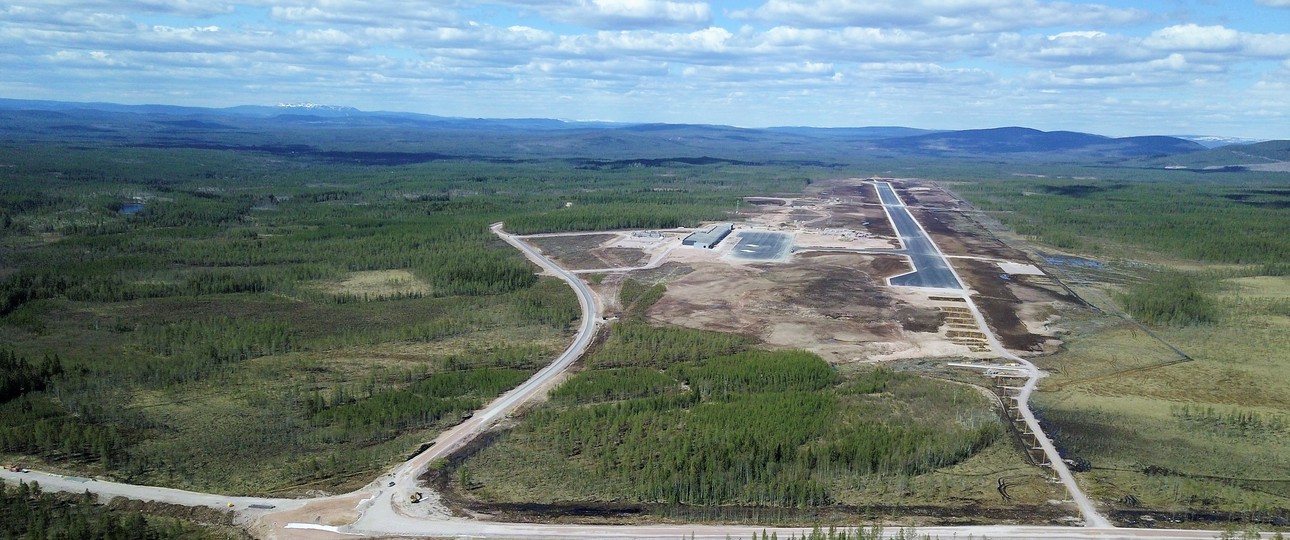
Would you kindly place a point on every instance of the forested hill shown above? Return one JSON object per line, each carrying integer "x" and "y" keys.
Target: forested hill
{"x": 1269, "y": 155}
{"x": 1018, "y": 140}
{"x": 393, "y": 137}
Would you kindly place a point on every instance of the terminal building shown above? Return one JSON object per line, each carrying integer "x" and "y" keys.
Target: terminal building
{"x": 708, "y": 237}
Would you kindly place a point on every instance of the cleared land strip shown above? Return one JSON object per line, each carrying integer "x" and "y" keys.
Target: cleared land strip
{"x": 931, "y": 269}
{"x": 940, "y": 274}
{"x": 383, "y": 515}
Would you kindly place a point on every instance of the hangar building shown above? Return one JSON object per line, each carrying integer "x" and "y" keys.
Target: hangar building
{"x": 708, "y": 237}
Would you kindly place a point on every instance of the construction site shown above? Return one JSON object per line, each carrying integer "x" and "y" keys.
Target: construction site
{"x": 828, "y": 292}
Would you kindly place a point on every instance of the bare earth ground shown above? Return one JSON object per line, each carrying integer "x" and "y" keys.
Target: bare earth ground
{"x": 835, "y": 304}
{"x": 838, "y": 305}
{"x": 589, "y": 252}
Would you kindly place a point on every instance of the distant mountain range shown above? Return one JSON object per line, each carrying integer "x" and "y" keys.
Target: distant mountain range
{"x": 1018, "y": 140}
{"x": 419, "y": 137}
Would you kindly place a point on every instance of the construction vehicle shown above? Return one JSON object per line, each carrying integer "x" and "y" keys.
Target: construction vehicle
{"x": 416, "y": 497}
{"x": 16, "y": 468}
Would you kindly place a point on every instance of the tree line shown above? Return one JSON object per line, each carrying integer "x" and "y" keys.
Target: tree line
{"x": 29, "y": 513}
{"x": 1195, "y": 219}
{"x": 755, "y": 427}
{"x": 18, "y": 376}
{"x": 1174, "y": 299}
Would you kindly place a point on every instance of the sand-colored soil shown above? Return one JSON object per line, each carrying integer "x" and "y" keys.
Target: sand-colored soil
{"x": 837, "y": 304}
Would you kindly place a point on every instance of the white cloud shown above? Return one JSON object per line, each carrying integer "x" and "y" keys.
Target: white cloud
{"x": 1172, "y": 70}
{"x": 865, "y": 44}
{"x": 188, "y": 8}
{"x": 47, "y": 18}
{"x": 1275, "y": 3}
{"x": 1069, "y": 48}
{"x": 921, "y": 73}
{"x": 639, "y": 14}
{"x": 367, "y": 13}
{"x": 926, "y": 62}
{"x": 1219, "y": 40}
{"x": 1082, "y": 34}
{"x": 621, "y": 14}
{"x": 598, "y": 70}
{"x": 702, "y": 46}
{"x": 787, "y": 73}
{"x": 941, "y": 15}
{"x": 1191, "y": 37}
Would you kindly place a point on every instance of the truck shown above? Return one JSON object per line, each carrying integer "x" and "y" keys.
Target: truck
{"x": 16, "y": 468}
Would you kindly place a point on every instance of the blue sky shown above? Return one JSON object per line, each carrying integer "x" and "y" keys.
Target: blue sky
{"x": 1219, "y": 67}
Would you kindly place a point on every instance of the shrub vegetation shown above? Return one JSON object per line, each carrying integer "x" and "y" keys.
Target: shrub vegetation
{"x": 700, "y": 418}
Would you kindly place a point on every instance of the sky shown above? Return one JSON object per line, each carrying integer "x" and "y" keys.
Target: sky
{"x": 1115, "y": 67}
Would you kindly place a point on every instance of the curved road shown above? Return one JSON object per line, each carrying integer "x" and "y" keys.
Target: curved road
{"x": 390, "y": 504}
{"x": 384, "y": 512}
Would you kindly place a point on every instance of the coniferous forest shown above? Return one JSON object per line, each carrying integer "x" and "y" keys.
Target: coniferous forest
{"x": 679, "y": 416}
{"x": 245, "y": 318}
{"x": 190, "y": 316}
{"x": 29, "y": 513}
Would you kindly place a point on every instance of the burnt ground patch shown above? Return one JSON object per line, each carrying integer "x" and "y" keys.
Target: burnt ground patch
{"x": 886, "y": 266}
{"x": 657, "y": 162}
{"x": 461, "y": 502}
{"x": 1079, "y": 190}
{"x": 956, "y": 233}
{"x": 919, "y": 320}
{"x": 853, "y": 287}
{"x": 912, "y": 194}
{"x": 855, "y": 216}
{"x": 842, "y": 285}
{"x": 840, "y": 515}
{"x": 998, "y": 304}
{"x": 1173, "y": 518}
{"x": 306, "y": 151}
{"x": 1262, "y": 198}
{"x": 583, "y": 252}
{"x": 927, "y": 195}
{"x": 854, "y": 193}
{"x": 1046, "y": 286}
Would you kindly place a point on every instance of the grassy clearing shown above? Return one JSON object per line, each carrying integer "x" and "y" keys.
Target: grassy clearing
{"x": 377, "y": 285}
{"x": 1207, "y": 435}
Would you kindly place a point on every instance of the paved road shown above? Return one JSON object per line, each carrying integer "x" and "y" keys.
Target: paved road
{"x": 50, "y": 482}
{"x": 930, "y": 268}
{"x": 480, "y": 529}
{"x": 933, "y": 270}
{"x": 380, "y": 503}
{"x": 391, "y": 503}
{"x": 762, "y": 246}
{"x": 384, "y": 513}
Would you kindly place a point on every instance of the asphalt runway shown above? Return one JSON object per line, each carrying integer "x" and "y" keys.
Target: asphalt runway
{"x": 762, "y": 246}
{"x": 930, "y": 267}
